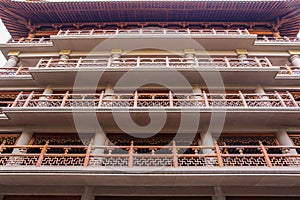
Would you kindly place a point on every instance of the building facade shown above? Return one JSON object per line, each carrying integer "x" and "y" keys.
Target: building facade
{"x": 150, "y": 100}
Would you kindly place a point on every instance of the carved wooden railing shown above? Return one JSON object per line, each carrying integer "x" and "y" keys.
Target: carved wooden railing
{"x": 202, "y": 100}
{"x": 14, "y": 71}
{"x": 168, "y": 62}
{"x": 25, "y": 40}
{"x": 289, "y": 71}
{"x": 284, "y": 39}
{"x": 147, "y": 31}
{"x": 146, "y": 156}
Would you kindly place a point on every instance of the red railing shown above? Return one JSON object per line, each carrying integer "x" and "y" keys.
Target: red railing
{"x": 147, "y": 156}
{"x": 284, "y": 39}
{"x": 24, "y": 40}
{"x": 168, "y": 62}
{"x": 289, "y": 71}
{"x": 99, "y": 100}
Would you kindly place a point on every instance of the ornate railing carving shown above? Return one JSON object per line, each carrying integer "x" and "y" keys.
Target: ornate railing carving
{"x": 158, "y": 62}
{"x": 14, "y": 71}
{"x": 153, "y": 31}
{"x": 289, "y": 71}
{"x": 201, "y": 100}
{"x": 152, "y": 156}
{"x": 24, "y": 40}
{"x": 284, "y": 39}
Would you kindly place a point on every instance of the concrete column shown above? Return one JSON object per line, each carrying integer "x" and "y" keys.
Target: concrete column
{"x": 24, "y": 139}
{"x": 189, "y": 54}
{"x": 260, "y": 90}
{"x": 88, "y": 193}
{"x": 48, "y": 90}
{"x": 99, "y": 140}
{"x": 63, "y": 59}
{"x": 219, "y": 195}
{"x": 109, "y": 90}
{"x": 197, "y": 90}
{"x": 285, "y": 140}
{"x": 11, "y": 62}
{"x": 207, "y": 140}
{"x": 295, "y": 60}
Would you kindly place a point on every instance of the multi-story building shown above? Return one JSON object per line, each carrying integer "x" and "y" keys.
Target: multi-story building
{"x": 150, "y": 100}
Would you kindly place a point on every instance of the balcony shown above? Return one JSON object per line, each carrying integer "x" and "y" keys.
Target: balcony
{"x": 133, "y": 156}
{"x": 55, "y": 71}
{"x": 289, "y": 72}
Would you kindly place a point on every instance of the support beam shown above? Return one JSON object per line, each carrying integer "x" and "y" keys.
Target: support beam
{"x": 285, "y": 140}
{"x": 99, "y": 140}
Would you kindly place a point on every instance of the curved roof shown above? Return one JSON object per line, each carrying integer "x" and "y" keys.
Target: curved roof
{"x": 17, "y": 14}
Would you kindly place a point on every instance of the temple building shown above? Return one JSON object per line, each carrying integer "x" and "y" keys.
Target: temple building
{"x": 161, "y": 99}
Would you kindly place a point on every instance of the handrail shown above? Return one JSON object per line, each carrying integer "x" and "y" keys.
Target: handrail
{"x": 159, "y": 62}
{"x": 171, "y": 155}
{"x": 210, "y": 100}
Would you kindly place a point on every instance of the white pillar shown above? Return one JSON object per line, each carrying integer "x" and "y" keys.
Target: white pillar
{"x": 219, "y": 195}
{"x": 285, "y": 140}
{"x": 24, "y": 139}
{"x": 260, "y": 90}
{"x": 207, "y": 140}
{"x": 109, "y": 91}
{"x": 63, "y": 59}
{"x": 48, "y": 90}
{"x": 295, "y": 60}
{"x": 11, "y": 62}
{"x": 88, "y": 193}
{"x": 197, "y": 90}
{"x": 99, "y": 140}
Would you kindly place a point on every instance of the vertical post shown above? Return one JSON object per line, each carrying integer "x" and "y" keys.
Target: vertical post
{"x": 175, "y": 154}
{"x": 44, "y": 150}
{"x": 243, "y": 99}
{"x": 66, "y": 96}
{"x": 130, "y": 158}
{"x": 292, "y": 98}
{"x": 284, "y": 140}
{"x": 219, "y": 155}
{"x": 227, "y": 62}
{"x": 171, "y": 98}
{"x": 2, "y": 146}
{"x": 205, "y": 99}
{"x": 17, "y": 99}
{"x": 280, "y": 98}
{"x": 258, "y": 62}
{"x": 265, "y": 153}
{"x": 79, "y": 62}
{"x": 87, "y": 154}
{"x": 28, "y": 99}
{"x": 135, "y": 103}
{"x": 167, "y": 62}
{"x": 268, "y": 61}
{"x": 101, "y": 99}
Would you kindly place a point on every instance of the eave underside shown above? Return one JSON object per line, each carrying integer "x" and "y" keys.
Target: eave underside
{"x": 19, "y": 16}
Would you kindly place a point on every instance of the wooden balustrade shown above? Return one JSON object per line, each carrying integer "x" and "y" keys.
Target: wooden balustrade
{"x": 171, "y": 155}
{"x": 156, "y": 62}
{"x": 275, "y": 99}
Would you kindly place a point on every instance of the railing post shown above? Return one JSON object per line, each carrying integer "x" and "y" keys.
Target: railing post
{"x": 258, "y": 62}
{"x": 130, "y": 158}
{"x": 292, "y": 98}
{"x": 289, "y": 69}
{"x": 265, "y": 153}
{"x": 18, "y": 70}
{"x": 28, "y": 99}
{"x": 79, "y": 62}
{"x": 101, "y": 99}
{"x": 48, "y": 63}
{"x": 268, "y": 61}
{"x": 243, "y": 99}
{"x": 280, "y": 98}
{"x": 175, "y": 154}
{"x": 171, "y": 98}
{"x": 88, "y": 154}
{"x": 167, "y": 62}
{"x": 135, "y": 103}
{"x": 39, "y": 63}
{"x": 44, "y": 150}
{"x": 205, "y": 99}
{"x": 63, "y": 103}
{"x": 227, "y": 62}
{"x": 219, "y": 155}
{"x": 2, "y": 146}
{"x": 17, "y": 99}
{"x": 138, "y": 60}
